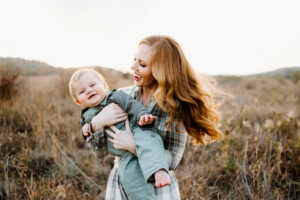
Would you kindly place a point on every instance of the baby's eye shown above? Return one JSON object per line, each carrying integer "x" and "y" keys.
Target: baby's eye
{"x": 82, "y": 91}
{"x": 92, "y": 85}
{"x": 142, "y": 65}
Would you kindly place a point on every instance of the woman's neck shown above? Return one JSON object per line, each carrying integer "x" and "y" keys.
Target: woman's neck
{"x": 147, "y": 93}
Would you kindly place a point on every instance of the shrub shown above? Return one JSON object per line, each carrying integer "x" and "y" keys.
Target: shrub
{"x": 296, "y": 76}
{"x": 10, "y": 83}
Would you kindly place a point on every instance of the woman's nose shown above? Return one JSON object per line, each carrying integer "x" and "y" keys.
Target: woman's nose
{"x": 133, "y": 66}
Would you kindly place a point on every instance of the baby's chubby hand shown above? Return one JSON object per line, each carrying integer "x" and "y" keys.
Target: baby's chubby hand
{"x": 86, "y": 129}
{"x": 146, "y": 119}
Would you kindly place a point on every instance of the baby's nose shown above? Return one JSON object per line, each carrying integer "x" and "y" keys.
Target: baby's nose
{"x": 88, "y": 91}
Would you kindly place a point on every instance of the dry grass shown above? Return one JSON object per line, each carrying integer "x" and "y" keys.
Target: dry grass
{"x": 10, "y": 83}
{"x": 44, "y": 156}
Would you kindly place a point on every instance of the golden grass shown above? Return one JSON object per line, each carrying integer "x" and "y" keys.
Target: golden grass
{"x": 44, "y": 156}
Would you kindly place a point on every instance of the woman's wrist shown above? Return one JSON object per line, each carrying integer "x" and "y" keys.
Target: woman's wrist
{"x": 95, "y": 126}
{"x": 133, "y": 150}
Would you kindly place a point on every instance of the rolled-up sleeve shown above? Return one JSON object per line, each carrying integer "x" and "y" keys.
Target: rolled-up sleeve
{"x": 174, "y": 153}
{"x": 174, "y": 139}
{"x": 97, "y": 142}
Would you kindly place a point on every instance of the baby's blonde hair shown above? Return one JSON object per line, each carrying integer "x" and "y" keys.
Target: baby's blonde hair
{"x": 78, "y": 74}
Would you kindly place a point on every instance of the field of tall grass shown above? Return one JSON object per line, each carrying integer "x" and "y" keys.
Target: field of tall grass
{"x": 43, "y": 155}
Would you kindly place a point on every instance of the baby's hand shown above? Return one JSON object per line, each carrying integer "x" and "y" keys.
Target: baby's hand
{"x": 146, "y": 119}
{"x": 86, "y": 129}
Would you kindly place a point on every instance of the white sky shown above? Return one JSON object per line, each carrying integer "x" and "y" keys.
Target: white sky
{"x": 218, "y": 36}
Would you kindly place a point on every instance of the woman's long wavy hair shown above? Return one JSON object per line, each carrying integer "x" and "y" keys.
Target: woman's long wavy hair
{"x": 179, "y": 92}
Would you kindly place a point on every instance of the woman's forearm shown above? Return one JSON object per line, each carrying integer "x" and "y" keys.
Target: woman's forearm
{"x": 111, "y": 114}
{"x": 96, "y": 126}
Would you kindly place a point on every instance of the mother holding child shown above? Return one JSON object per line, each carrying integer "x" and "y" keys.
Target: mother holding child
{"x": 166, "y": 102}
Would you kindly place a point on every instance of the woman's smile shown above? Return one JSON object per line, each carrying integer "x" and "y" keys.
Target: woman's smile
{"x": 137, "y": 78}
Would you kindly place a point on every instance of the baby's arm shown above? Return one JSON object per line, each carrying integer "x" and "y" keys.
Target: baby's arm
{"x": 132, "y": 107}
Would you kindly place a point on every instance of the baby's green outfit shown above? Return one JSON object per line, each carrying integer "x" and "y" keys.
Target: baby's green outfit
{"x": 134, "y": 171}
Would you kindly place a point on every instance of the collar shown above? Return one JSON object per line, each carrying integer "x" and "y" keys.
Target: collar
{"x": 104, "y": 101}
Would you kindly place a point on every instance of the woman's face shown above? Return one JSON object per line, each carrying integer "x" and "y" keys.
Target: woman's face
{"x": 141, "y": 67}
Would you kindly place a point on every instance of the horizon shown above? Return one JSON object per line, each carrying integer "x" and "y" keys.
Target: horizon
{"x": 218, "y": 38}
{"x": 129, "y": 71}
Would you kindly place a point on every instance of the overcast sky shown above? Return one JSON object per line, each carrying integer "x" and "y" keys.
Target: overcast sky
{"x": 218, "y": 36}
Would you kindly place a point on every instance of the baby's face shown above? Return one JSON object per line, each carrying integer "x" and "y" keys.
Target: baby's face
{"x": 89, "y": 90}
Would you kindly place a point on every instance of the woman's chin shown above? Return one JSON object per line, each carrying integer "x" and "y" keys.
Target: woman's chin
{"x": 137, "y": 84}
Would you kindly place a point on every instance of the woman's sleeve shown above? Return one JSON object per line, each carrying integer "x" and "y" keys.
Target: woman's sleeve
{"x": 176, "y": 149}
{"x": 97, "y": 142}
{"x": 174, "y": 142}
{"x": 174, "y": 138}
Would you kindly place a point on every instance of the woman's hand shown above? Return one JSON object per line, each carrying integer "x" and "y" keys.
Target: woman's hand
{"x": 122, "y": 140}
{"x": 111, "y": 114}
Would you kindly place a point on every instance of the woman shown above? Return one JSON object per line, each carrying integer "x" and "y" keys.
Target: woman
{"x": 167, "y": 85}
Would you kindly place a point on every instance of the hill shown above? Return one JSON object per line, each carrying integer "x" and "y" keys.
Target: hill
{"x": 34, "y": 67}
{"x": 41, "y": 71}
{"x": 27, "y": 67}
{"x": 285, "y": 72}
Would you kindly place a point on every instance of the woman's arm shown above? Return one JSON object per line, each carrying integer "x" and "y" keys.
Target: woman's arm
{"x": 111, "y": 114}
{"x": 96, "y": 140}
{"x": 173, "y": 159}
{"x": 174, "y": 141}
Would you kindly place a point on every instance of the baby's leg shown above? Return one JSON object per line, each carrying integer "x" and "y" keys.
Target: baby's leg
{"x": 151, "y": 155}
{"x": 132, "y": 179}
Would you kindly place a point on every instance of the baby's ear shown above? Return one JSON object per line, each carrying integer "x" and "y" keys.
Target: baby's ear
{"x": 76, "y": 101}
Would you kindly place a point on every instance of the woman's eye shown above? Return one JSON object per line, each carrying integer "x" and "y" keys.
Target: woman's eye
{"x": 92, "y": 85}
{"x": 82, "y": 91}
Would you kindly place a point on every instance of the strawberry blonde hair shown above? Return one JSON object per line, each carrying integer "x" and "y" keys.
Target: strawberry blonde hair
{"x": 179, "y": 92}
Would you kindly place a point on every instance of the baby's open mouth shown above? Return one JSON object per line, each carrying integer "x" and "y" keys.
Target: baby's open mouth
{"x": 92, "y": 96}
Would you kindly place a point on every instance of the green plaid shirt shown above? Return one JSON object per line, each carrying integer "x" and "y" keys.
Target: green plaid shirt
{"x": 174, "y": 141}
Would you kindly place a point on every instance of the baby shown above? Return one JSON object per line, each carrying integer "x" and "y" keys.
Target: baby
{"x": 89, "y": 89}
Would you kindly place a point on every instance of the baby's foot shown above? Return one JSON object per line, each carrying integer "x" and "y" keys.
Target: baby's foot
{"x": 162, "y": 178}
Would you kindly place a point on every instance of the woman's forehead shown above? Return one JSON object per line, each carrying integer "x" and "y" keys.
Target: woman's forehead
{"x": 144, "y": 53}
